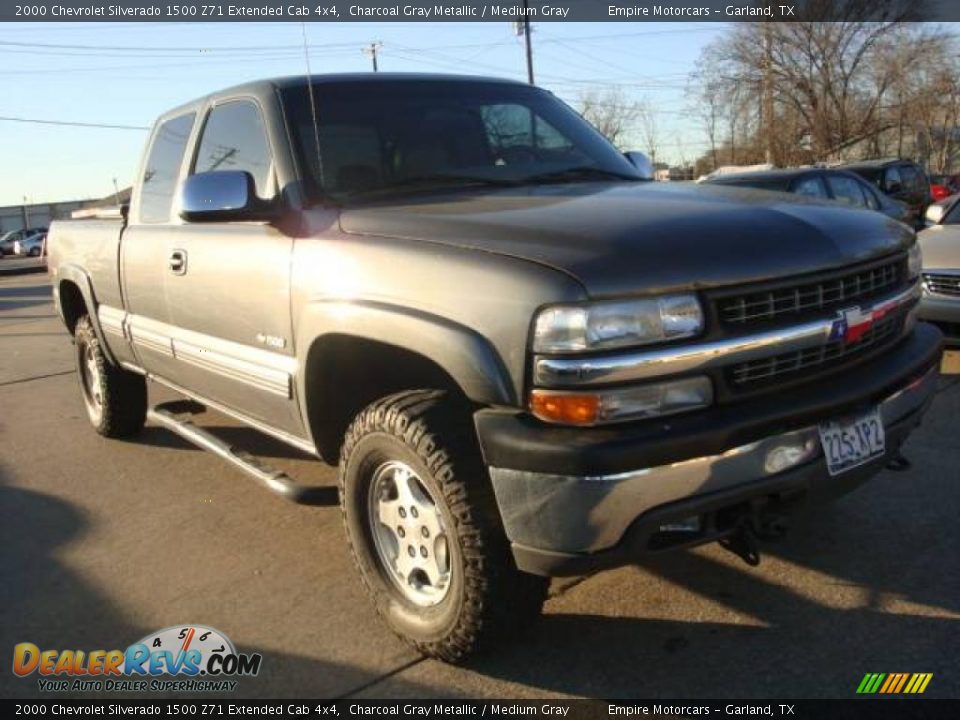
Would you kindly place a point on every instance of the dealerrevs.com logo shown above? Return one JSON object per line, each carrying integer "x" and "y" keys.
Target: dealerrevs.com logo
{"x": 191, "y": 658}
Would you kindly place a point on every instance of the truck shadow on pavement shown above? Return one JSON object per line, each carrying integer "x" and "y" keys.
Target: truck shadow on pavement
{"x": 857, "y": 586}
{"x": 19, "y": 297}
{"x": 45, "y": 602}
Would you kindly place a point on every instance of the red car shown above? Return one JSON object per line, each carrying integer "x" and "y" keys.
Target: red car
{"x": 942, "y": 186}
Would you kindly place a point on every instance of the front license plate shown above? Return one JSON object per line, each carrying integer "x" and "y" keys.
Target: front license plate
{"x": 850, "y": 442}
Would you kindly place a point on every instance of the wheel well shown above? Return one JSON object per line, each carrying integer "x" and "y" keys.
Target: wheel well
{"x": 344, "y": 374}
{"x": 72, "y": 304}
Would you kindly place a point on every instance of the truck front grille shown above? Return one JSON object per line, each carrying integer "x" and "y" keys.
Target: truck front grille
{"x": 942, "y": 284}
{"x": 832, "y": 355}
{"x": 835, "y": 291}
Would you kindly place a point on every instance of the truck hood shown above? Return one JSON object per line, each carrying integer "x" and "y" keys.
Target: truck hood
{"x": 623, "y": 238}
{"x": 941, "y": 247}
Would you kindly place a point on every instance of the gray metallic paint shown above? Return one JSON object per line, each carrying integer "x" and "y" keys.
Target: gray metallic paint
{"x": 455, "y": 277}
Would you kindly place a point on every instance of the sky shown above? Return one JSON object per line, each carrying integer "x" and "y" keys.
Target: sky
{"x": 128, "y": 73}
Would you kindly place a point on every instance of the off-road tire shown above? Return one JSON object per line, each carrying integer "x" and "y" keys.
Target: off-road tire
{"x": 122, "y": 407}
{"x": 488, "y": 600}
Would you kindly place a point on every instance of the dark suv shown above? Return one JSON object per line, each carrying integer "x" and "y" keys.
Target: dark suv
{"x": 900, "y": 179}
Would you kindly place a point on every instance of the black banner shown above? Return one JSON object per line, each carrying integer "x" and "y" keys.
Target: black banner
{"x": 476, "y": 10}
{"x": 887, "y": 709}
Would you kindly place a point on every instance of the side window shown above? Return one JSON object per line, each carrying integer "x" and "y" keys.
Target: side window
{"x": 163, "y": 166}
{"x": 870, "y": 196}
{"x": 846, "y": 190}
{"x": 234, "y": 138}
{"x": 891, "y": 179}
{"x": 516, "y": 134}
{"x": 811, "y": 187}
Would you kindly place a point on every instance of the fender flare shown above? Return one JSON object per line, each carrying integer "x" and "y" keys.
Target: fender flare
{"x": 465, "y": 355}
{"x": 78, "y": 276}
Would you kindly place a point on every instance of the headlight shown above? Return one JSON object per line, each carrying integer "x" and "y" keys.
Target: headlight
{"x": 604, "y": 325}
{"x": 914, "y": 261}
{"x": 627, "y": 403}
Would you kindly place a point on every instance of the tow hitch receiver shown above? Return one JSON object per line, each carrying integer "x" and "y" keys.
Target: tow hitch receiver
{"x": 754, "y": 526}
{"x": 743, "y": 544}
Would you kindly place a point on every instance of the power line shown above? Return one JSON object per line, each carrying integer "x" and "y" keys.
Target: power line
{"x": 73, "y": 124}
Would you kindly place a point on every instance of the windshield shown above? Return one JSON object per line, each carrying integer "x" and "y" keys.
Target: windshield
{"x": 395, "y": 136}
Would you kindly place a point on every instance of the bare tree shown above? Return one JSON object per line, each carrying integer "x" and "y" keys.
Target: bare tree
{"x": 811, "y": 91}
{"x": 649, "y": 129}
{"x": 609, "y": 111}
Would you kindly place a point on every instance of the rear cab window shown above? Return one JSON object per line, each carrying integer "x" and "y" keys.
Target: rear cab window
{"x": 163, "y": 168}
{"x": 912, "y": 179}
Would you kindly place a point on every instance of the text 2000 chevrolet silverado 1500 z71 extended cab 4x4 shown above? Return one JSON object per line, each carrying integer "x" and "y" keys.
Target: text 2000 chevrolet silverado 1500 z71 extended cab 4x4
{"x": 526, "y": 360}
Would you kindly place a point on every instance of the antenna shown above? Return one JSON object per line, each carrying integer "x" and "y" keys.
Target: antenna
{"x": 313, "y": 105}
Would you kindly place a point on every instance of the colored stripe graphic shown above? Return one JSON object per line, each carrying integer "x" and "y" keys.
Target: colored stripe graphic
{"x": 894, "y": 683}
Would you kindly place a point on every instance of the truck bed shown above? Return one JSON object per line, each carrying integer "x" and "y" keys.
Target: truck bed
{"x": 93, "y": 246}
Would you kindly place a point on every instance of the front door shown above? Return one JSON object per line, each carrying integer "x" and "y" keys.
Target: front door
{"x": 228, "y": 287}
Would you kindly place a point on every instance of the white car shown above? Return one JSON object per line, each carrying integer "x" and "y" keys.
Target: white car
{"x": 31, "y": 246}
{"x": 940, "y": 243}
{"x": 9, "y": 240}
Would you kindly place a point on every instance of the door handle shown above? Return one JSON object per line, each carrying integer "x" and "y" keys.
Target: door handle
{"x": 178, "y": 262}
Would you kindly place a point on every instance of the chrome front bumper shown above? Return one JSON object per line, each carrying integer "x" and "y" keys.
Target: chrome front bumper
{"x": 578, "y": 514}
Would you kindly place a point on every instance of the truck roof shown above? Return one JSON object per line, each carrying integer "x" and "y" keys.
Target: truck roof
{"x": 268, "y": 86}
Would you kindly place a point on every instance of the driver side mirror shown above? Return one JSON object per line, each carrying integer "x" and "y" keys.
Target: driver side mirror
{"x": 222, "y": 196}
{"x": 934, "y": 214}
{"x": 642, "y": 163}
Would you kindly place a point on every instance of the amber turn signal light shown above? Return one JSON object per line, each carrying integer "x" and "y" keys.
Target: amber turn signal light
{"x": 567, "y": 408}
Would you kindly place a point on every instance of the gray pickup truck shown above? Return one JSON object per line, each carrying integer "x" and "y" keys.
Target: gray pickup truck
{"x": 526, "y": 359}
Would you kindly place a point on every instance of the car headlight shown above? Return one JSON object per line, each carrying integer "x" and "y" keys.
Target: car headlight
{"x": 620, "y": 404}
{"x": 605, "y": 325}
{"x": 914, "y": 261}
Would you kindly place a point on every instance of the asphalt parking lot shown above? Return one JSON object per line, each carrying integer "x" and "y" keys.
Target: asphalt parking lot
{"x": 102, "y": 542}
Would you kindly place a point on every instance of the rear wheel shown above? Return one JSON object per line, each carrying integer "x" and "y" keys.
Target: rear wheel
{"x": 425, "y": 531}
{"x": 115, "y": 399}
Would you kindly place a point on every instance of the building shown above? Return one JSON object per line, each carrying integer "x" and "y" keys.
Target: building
{"x": 17, "y": 217}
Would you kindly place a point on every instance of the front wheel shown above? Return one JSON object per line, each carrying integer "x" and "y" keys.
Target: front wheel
{"x": 424, "y": 528}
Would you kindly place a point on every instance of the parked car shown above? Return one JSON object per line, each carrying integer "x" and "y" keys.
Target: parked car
{"x": 942, "y": 186}
{"x": 9, "y": 240}
{"x": 829, "y": 184}
{"x": 31, "y": 246}
{"x": 525, "y": 357}
{"x": 900, "y": 179}
{"x": 940, "y": 303}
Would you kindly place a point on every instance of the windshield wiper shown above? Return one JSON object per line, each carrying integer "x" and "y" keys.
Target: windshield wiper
{"x": 576, "y": 173}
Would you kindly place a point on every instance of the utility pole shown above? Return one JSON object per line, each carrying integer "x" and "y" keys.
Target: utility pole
{"x": 372, "y": 52}
{"x": 116, "y": 191}
{"x": 523, "y": 27}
